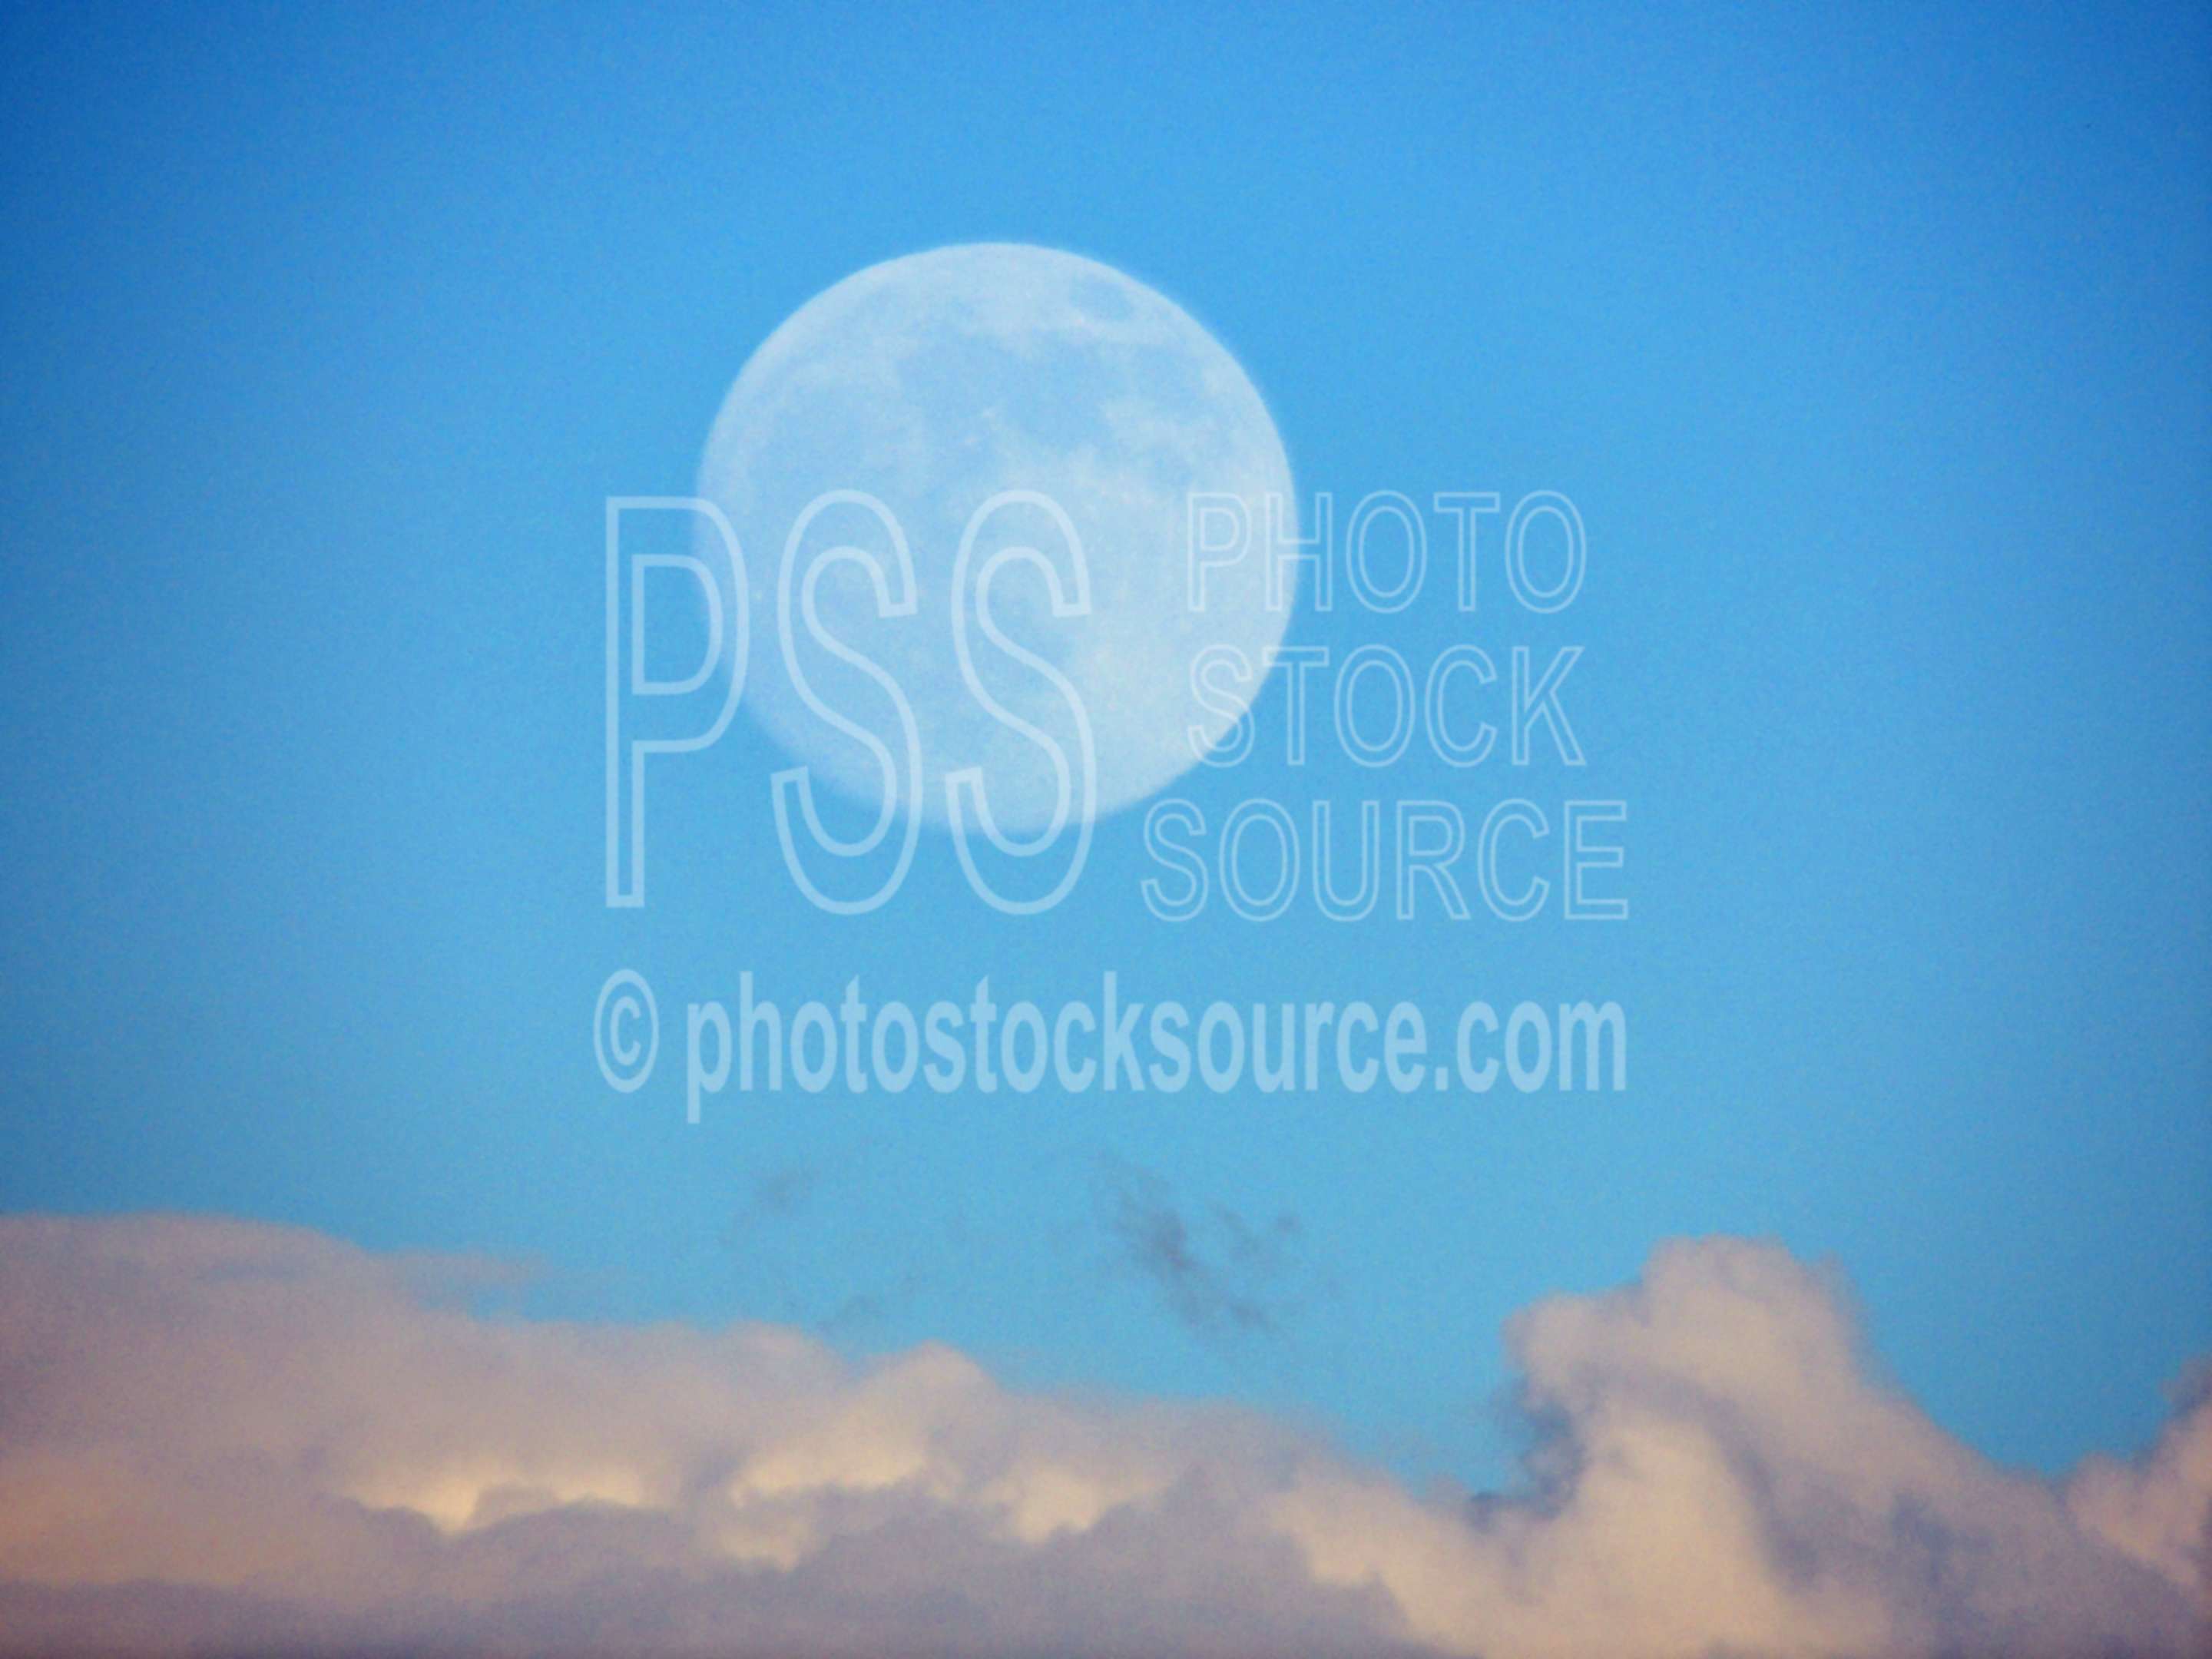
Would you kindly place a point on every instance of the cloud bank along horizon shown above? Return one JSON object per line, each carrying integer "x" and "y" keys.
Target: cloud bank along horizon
{"x": 230, "y": 1433}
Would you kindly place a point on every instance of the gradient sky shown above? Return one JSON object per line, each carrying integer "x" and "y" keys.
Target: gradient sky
{"x": 1876, "y": 359}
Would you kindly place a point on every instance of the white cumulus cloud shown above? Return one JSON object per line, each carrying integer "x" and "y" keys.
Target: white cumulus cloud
{"x": 223, "y": 1434}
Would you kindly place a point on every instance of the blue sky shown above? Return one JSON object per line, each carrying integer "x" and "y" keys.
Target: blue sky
{"x": 1874, "y": 357}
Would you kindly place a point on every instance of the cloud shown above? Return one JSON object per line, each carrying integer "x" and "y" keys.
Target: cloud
{"x": 1219, "y": 1275}
{"x": 218, "y": 1434}
{"x": 777, "y": 1194}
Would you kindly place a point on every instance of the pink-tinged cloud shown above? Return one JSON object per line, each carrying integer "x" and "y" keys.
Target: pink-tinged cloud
{"x": 219, "y": 1435}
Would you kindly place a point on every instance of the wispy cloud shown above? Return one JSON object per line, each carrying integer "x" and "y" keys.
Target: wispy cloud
{"x": 1217, "y": 1272}
{"x": 218, "y": 1434}
{"x": 778, "y": 1194}
{"x": 778, "y": 1237}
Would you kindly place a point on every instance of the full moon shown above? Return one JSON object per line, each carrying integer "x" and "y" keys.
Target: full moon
{"x": 927, "y": 386}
